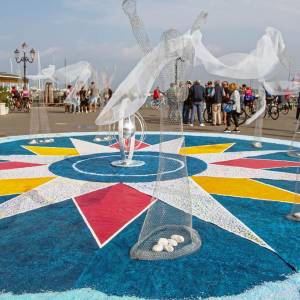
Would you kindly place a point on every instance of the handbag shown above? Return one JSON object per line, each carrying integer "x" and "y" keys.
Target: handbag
{"x": 228, "y": 107}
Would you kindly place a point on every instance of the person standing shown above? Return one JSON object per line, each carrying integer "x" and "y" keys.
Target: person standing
{"x": 218, "y": 94}
{"x": 187, "y": 105}
{"x": 233, "y": 109}
{"x": 172, "y": 101}
{"x": 156, "y": 96}
{"x": 225, "y": 100}
{"x": 198, "y": 98}
{"x": 298, "y": 107}
{"x": 16, "y": 96}
{"x": 94, "y": 95}
{"x": 209, "y": 95}
{"x": 83, "y": 100}
{"x": 26, "y": 97}
{"x": 107, "y": 94}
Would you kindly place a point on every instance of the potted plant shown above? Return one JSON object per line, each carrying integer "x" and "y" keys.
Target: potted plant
{"x": 4, "y": 100}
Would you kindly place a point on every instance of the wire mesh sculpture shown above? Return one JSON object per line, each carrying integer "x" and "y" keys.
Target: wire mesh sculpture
{"x": 167, "y": 231}
{"x": 172, "y": 217}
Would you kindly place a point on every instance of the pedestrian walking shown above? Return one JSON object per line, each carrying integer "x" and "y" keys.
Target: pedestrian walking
{"x": 233, "y": 109}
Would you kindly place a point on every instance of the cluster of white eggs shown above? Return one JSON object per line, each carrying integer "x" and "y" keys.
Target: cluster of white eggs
{"x": 45, "y": 141}
{"x": 168, "y": 245}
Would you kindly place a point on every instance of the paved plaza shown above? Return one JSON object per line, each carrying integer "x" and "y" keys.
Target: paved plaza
{"x": 18, "y": 123}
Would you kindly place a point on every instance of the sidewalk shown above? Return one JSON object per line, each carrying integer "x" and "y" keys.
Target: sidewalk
{"x": 18, "y": 123}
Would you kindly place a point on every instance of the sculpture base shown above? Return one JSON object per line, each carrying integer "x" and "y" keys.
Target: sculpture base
{"x": 127, "y": 163}
{"x": 293, "y": 217}
{"x": 102, "y": 139}
{"x": 294, "y": 153}
{"x": 143, "y": 249}
{"x": 257, "y": 145}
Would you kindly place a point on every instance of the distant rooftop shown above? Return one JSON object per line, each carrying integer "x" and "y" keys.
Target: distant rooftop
{"x": 10, "y": 78}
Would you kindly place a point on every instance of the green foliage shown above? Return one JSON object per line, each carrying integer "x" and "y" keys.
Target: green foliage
{"x": 5, "y": 95}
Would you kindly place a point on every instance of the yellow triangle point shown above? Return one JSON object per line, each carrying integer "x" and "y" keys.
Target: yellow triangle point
{"x": 52, "y": 151}
{"x": 245, "y": 188}
{"x": 21, "y": 185}
{"x": 206, "y": 149}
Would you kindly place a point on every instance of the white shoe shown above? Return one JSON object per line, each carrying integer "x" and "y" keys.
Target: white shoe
{"x": 202, "y": 125}
{"x": 191, "y": 125}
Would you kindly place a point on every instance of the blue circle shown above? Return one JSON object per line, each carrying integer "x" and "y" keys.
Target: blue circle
{"x": 98, "y": 168}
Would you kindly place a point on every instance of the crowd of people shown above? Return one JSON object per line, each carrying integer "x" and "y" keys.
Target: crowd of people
{"x": 86, "y": 99}
{"x": 223, "y": 102}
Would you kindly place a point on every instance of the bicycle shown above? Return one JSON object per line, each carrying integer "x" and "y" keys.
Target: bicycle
{"x": 207, "y": 117}
{"x": 242, "y": 117}
{"x": 283, "y": 107}
{"x": 272, "y": 110}
{"x": 15, "y": 104}
{"x": 26, "y": 104}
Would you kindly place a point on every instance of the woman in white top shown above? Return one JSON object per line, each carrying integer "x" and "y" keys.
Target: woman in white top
{"x": 234, "y": 109}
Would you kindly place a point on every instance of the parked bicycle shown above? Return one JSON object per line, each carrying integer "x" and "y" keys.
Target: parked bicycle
{"x": 242, "y": 116}
{"x": 19, "y": 104}
{"x": 272, "y": 109}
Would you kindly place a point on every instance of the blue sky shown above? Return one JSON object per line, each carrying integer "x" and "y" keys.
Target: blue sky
{"x": 99, "y": 32}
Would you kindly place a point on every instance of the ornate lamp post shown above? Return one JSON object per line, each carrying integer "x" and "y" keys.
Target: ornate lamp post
{"x": 178, "y": 59}
{"x": 25, "y": 57}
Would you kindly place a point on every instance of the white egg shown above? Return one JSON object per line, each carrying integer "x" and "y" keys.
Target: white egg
{"x": 157, "y": 248}
{"x": 178, "y": 238}
{"x": 163, "y": 242}
{"x": 169, "y": 248}
{"x": 173, "y": 243}
{"x": 33, "y": 142}
{"x": 97, "y": 139}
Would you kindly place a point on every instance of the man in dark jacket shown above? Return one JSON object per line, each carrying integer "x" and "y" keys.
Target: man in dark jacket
{"x": 198, "y": 98}
{"x": 209, "y": 90}
{"x": 187, "y": 105}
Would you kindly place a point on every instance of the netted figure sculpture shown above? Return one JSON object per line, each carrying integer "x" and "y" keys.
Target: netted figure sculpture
{"x": 259, "y": 122}
{"x": 132, "y": 93}
{"x": 39, "y": 122}
{"x": 294, "y": 214}
{"x": 294, "y": 150}
{"x": 167, "y": 231}
{"x": 137, "y": 25}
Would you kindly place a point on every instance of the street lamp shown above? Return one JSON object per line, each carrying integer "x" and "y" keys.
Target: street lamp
{"x": 178, "y": 59}
{"x": 25, "y": 57}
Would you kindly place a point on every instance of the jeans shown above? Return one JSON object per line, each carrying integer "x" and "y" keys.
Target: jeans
{"x": 186, "y": 113}
{"x": 197, "y": 106}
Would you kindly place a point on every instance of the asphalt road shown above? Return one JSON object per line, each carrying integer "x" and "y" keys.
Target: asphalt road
{"x": 18, "y": 123}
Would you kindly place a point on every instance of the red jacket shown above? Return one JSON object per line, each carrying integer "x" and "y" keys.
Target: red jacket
{"x": 156, "y": 94}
